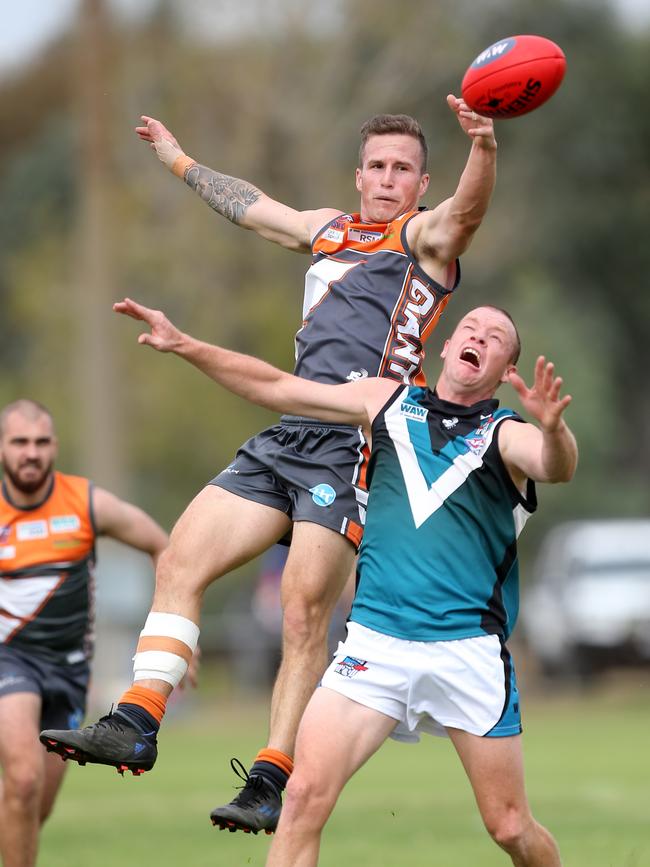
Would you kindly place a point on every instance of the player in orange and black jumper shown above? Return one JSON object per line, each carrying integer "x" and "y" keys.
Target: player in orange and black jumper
{"x": 378, "y": 281}
{"x": 48, "y": 525}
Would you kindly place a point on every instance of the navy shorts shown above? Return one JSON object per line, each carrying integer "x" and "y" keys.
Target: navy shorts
{"x": 63, "y": 688}
{"x": 310, "y": 470}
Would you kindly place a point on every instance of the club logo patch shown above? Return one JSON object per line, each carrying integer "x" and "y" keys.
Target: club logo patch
{"x": 64, "y": 524}
{"x": 5, "y": 532}
{"x": 323, "y": 495}
{"x": 28, "y": 530}
{"x": 75, "y": 719}
{"x": 476, "y": 444}
{"x": 355, "y": 375}
{"x": 350, "y": 667}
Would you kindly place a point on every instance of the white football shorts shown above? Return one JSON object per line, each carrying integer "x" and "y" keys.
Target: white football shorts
{"x": 467, "y": 684}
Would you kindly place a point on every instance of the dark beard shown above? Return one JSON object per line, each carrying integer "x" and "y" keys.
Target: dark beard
{"x": 27, "y": 487}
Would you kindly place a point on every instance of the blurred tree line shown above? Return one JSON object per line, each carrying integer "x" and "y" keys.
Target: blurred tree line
{"x": 275, "y": 92}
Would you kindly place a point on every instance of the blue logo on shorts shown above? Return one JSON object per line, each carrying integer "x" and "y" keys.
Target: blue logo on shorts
{"x": 75, "y": 719}
{"x": 323, "y": 495}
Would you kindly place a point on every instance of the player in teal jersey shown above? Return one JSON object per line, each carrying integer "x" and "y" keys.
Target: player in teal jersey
{"x": 452, "y": 482}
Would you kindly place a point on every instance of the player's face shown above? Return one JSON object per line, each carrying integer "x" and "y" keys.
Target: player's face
{"x": 478, "y": 355}
{"x": 27, "y": 452}
{"x": 390, "y": 180}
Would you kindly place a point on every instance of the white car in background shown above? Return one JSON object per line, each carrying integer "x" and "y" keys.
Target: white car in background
{"x": 588, "y": 606}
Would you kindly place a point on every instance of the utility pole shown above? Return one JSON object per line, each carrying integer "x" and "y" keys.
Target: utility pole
{"x": 99, "y": 407}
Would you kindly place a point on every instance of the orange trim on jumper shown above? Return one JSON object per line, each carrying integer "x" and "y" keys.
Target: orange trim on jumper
{"x": 148, "y": 699}
{"x": 276, "y": 757}
{"x": 164, "y": 643}
{"x": 388, "y": 235}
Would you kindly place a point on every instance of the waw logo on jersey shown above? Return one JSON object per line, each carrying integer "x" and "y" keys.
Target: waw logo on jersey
{"x": 417, "y": 413}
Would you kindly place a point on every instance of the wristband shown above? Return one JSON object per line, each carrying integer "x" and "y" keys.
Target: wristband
{"x": 181, "y": 164}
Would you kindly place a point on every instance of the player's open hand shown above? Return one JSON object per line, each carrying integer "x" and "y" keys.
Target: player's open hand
{"x": 477, "y": 127}
{"x": 160, "y": 139}
{"x": 164, "y": 337}
{"x": 543, "y": 400}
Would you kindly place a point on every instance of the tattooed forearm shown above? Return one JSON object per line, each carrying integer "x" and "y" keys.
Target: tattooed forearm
{"x": 228, "y": 196}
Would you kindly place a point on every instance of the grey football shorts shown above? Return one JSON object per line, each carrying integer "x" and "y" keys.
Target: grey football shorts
{"x": 312, "y": 471}
{"x": 62, "y": 688}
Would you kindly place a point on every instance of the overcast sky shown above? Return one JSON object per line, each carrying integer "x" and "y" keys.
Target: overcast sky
{"x": 31, "y": 23}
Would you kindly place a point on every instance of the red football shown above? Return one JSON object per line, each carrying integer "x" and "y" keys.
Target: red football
{"x": 513, "y": 76}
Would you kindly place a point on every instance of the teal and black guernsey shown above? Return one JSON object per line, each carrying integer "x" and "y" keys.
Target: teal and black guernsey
{"x": 439, "y": 554}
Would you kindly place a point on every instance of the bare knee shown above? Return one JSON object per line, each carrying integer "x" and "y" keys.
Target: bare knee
{"x": 509, "y": 828}
{"x": 305, "y": 623}
{"x": 307, "y": 802}
{"x": 175, "y": 575}
{"x": 23, "y": 784}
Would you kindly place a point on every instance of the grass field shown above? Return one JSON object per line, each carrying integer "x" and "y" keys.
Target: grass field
{"x": 588, "y": 771}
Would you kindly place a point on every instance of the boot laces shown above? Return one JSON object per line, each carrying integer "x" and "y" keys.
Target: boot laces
{"x": 253, "y": 791}
{"x": 111, "y": 721}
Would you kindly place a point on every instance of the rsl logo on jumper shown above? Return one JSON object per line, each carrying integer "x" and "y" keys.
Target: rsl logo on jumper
{"x": 410, "y": 410}
{"x": 323, "y": 495}
{"x": 350, "y": 666}
{"x": 363, "y": 237}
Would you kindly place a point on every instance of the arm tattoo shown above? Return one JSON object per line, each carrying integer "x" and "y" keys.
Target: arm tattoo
{"x": 228, "y": 196}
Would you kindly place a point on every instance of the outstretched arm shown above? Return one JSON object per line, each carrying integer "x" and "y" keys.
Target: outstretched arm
{"x": 258, "y": 382}
{"x": 547, "y": 453}
{"x": 237, "y": 200}
{"x": 441, "y": 235}
{"x": 128, "y": 524}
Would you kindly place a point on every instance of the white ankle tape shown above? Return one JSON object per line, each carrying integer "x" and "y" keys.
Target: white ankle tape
{"x": 172, "y": 626}
{"x": 152, "y": 663}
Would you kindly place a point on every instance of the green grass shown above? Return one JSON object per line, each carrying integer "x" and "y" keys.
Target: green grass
{"x": 587, "y": 762}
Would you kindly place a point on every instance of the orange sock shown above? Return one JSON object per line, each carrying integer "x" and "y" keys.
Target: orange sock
{"x": 277, "y": 758}
{"x": 153, "y": 702}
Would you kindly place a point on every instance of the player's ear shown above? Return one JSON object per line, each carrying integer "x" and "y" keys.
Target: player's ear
{"x": 443, "y": 351}
{"x": 357, "y": 179}
{"x": 510, "y": 368}
{"x": 424, "y": 185}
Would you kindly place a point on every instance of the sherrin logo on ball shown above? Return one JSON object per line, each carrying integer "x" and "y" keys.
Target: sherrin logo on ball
{"x": 513, "y": 76}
